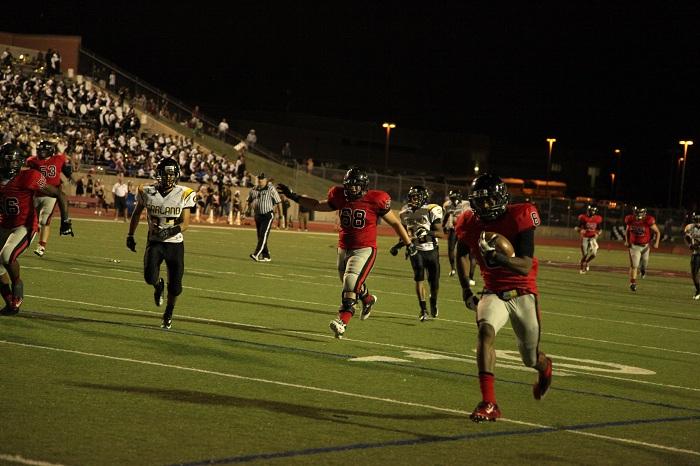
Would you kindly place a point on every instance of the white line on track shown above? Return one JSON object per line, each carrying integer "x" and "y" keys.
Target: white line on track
{"x": 341, "y": 393}
{"x": 367, "y": 342}
{"x": 22, "y": 460}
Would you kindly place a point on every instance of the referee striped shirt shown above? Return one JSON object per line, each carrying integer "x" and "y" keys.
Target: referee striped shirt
{"x": 263, "y": 200}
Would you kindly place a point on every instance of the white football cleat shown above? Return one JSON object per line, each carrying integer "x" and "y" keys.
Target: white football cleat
{"x": 40, "y": 251}
{"x": 697, "y": 296}
{"x": 471, "y": 282}
{"x": 452, "y": 272}
{"x": 338, "y": 327}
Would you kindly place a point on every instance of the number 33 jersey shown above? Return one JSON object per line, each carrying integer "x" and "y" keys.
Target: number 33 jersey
{"x": 358, "y": 218}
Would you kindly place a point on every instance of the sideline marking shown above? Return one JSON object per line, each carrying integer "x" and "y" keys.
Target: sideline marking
{"x": 22, "y": 460}
{"x": 346, "y": 394}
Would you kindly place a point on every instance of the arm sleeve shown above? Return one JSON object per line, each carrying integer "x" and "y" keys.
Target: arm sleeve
{"x": 67, "y": 169}
{"x": 524, "y": 244}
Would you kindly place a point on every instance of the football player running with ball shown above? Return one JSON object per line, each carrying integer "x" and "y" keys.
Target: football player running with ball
{"x": 422, "y": 221}
{"x": 691, "y": 236}
{"x": 168, "y": 207}
{"x": 510, "y": 291}
{"x": 640, "y": 225}
{"x": 358, "y": 208}
{"x": 18, "y": 219}
{"x": 589, "y": 229}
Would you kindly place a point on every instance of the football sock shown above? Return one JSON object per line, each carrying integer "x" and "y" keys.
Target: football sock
{"x": 633, "y": 280}
{"x": 345, "y": 316}
{"x": 42, "y": 244}
{"x": 486, "y": 382}
{"x": 423, "y": 306}
{"x": 6, "y": 292}
{"x": 433, "y": 302}
{"x": 169, "y": 309}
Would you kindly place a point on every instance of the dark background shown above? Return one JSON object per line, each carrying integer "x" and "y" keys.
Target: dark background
{"x": 594, "y": 75}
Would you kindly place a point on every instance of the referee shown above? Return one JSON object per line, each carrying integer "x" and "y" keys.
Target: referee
{"x": 262, "y": 200}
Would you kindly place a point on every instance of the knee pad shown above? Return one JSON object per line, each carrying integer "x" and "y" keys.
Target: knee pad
{"x": 349, "y": 305}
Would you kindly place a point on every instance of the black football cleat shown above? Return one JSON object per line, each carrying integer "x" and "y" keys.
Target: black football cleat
{"x": 167, "y": 320}
{"x": 367, "y": 304}
{"x": 158, "y": 293}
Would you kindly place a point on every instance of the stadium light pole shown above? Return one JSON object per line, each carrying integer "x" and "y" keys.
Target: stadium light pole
{"x": 388, "y": 127}
{"x": 617, "y": 153}
{"x": 551, "y": 142}
{"x": 685, "y": 145}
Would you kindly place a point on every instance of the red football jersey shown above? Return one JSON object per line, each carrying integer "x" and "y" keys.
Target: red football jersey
{"x": 589, "y": 225}
{"x": 639, "y": 230}
{"x": 517, "y": 218}
{"x": 17, "y": 200}
{"x": 358, "y": 218}
{"x": 51, "y": 167}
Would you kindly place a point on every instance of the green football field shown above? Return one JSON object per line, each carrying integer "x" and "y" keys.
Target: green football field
{"x": 250, "y": 371}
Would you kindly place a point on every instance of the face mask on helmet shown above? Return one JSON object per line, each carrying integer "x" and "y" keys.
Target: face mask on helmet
{"x": 417, "y": 197}
{"x": 355, "y": 184}
{"x": 695, "y": 217}
{"x": 640, "y": 213}
{"x": 455, "y": 196}
{"x": 489, "y": 197}
{"x": 45, "y": 149}
{"x": 11, "y": 161}
{"x": 591, "y": 210}
{"x": 167, "y": 175}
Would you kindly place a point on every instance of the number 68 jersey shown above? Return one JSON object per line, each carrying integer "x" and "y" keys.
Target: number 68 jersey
{"x": 164, "y": 212}
{"x": 358, "y": 217}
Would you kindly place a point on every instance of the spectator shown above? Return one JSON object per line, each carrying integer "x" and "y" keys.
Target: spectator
{"x": 55, "y": 63}
{"x": 130, "y": 199}
{"x": 80, "y": 186}
{"x": 112, "y": 81}
{"x": 251, "y": 139}
{"x": 119, "y": 192}
{"x": 285, "y": 221}
{"x": 6, "y": 57}
{"x": 239, "y": 167}
{"x": 223, "y": 129}
{"x": 303, "y": 217}
{"x": 287, "y": 152}
{"x": 309, "y": 165}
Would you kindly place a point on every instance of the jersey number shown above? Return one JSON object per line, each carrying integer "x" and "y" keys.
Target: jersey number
{"x": 352, "y": 218}
{"x": 49, "y": 171}
{"x": 9, "y": 206}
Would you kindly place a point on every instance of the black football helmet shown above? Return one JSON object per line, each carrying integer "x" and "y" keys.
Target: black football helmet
{"x": 12, "y": 158}
{"x": 355, "y": 183}
{"x": 418, "y": 196}
{"x": 695, "y": 217}
{"x": 489, "y": 197}
{"x": 591, "y": 210}
{"x": 167, "y": 174}
{"x": 455, "y": 196}
{"x": 640, "y": 212}
{"x": 45, "y": 149}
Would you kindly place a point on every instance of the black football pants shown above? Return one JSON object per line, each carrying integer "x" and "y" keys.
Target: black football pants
{"x": 174, "y": 256}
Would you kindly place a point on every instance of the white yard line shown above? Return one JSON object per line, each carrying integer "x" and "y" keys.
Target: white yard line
{"x": 340, "y": 393}
{"x": 22, "y": 460}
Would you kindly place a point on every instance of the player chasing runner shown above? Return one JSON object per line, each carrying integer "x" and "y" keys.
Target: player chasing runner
{"x": 640, "y": 226}
{"x": 691, "y": 236}
{"x": 359, "y": 208}
{"x": 510, "y": 283}
{"x": 589, "y": 229}
{"x": 422, "y": 220}
{"x": 168, "y": 207}
{"x": 18, "y": 219}
{"x": 453, "y": 208}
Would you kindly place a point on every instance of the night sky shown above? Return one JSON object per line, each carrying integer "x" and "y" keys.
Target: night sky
{"x": 594, "y": 75}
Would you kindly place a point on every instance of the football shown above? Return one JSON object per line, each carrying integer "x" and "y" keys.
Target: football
{"x": 500, "y": 242}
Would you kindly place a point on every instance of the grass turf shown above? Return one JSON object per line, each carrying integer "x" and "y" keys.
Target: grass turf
{"x": 250, "y": 372}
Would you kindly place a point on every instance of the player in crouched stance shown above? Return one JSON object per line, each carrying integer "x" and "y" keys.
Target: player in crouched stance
{"x": 358, "y": 208}
{"x": 168, "y": 206}
{"x": 510, "y": 291}
{"x": 18, "y": 219}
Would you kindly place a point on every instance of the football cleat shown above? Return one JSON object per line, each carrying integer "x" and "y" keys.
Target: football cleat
{"x": 582, "y": 271}
{"x": 697, "y": 296}
{"x": 485, "y": 411}
{"x": 167, "y": 320}
{"x": 40, "y": 251}
{"x": 633, "y": 286}
{"x": 588, "y": 267}
{"x": 423, "y": 316}
{"x": 471, "y": 282}
{"x": 338, "y": 327}
{"x": 254, "y": 257}
{"x": 544, "y": 380}
{"x": 452, "y": 272}
{"x": 643, "y": 272}
{"x": 265, "y": 259}
{"x": 9, "y": 311}
{"x": 434, "y": 311}
{"x": 367, "y": 306}
{"x": 158, "y": 293}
